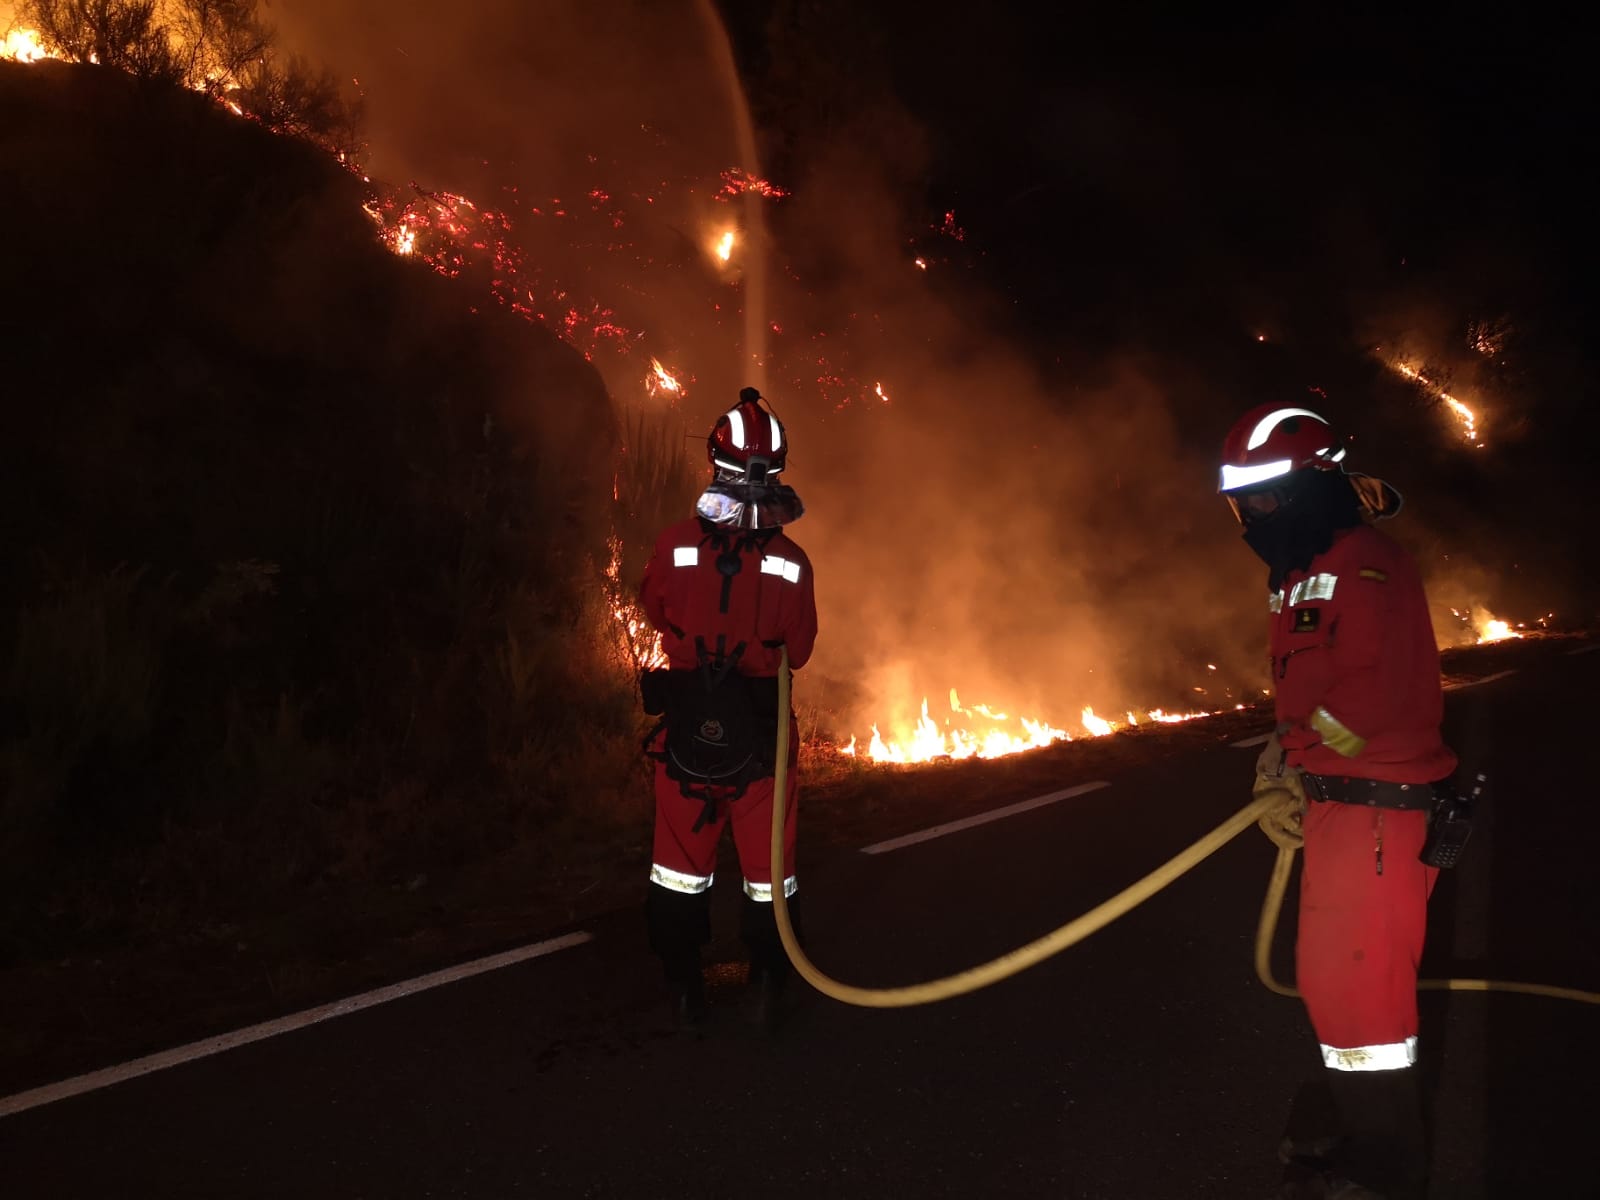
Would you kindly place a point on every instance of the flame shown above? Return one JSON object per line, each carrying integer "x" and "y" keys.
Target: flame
{"x": 661, "y": 380}
{"x": 1486, "y": 627}
{"x": 24, "y": 46}
{"x": 640, "y": 641}
{"x": 925, "y": 741}
{"x": 1468, "y": 419}
{"x": 724, "y": 245}
{"x": 882, "y": 395}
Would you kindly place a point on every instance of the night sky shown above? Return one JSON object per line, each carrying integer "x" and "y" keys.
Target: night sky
{"x": 1158, "y": 177}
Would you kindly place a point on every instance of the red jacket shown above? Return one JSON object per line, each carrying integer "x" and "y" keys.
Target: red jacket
{"x": 1351, "y": 634}
{"x": 769, "y": 600}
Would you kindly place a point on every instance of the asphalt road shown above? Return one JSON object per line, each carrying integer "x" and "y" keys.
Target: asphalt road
{"x": 1146, "y": 1062}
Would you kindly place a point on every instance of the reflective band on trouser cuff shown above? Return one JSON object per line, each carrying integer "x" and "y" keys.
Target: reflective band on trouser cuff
{"x": 1391, "y": 1056}
{"x": 677, "y": 881}
{"x": 763, "y": 891}
{"x": 771, "y": 564}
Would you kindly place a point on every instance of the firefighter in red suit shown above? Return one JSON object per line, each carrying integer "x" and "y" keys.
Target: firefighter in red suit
{"x": 727, "y": 588}
{"x": 1356, "y": 681}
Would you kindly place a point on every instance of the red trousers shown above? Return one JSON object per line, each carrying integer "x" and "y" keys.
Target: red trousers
{"x": 684, "y": 860}
{"x": 1361, "y": 932}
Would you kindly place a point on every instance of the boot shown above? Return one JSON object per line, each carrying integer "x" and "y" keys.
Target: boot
{"x": 1385, "y": 1147}
{"x": 679, "y": 924}
{"x": 686, "y": 997}
{"x": 769, "y": 998}
{"x": 1313, "y": 1131}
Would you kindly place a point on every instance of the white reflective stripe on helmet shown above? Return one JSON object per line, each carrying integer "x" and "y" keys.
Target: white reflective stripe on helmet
{"x": 1390, "y": 1056}
{"x": 1271, "y": 421}
{"x": 736, "y": 427}
{"x": 1316, "y": 587}
{"x": 762, "y": 892}
{"x": 1339, "y": 457}
{"x": 771, "y": 564}
{"x": 1239, "y": 477}
{"x": 686, "y": 556}
{"x": 777, "y": 434}
{"x": 678, "y": 881}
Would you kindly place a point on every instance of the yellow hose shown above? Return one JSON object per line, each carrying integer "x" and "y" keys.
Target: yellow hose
{"x": 1259, "y": 811}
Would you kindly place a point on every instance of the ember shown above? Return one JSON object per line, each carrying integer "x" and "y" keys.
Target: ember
{"x": 1465, "y": 415}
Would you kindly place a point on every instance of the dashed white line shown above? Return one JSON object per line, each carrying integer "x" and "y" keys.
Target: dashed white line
{"x": 997, "y": 814}
{"x": 1589, "y": 649}
{"x": 94, "y": 1080}
{"x": 1253, "y": 741}
{"x": 1456, "y": 687}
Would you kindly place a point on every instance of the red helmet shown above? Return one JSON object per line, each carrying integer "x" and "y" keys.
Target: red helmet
{"x": 747, "y": 443}
{"x": 1266, "y": 449}
{"x": 1271, "y": 441}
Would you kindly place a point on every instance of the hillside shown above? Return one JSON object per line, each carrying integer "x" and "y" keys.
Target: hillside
{"x": 303, "y": 550}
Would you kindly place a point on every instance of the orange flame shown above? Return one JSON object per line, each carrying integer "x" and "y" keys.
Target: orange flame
{"x": 1468, "y": 419}
{"x": 661, "y": 380}
{"x": 24, "y": 46}
{"x": 927, "y": 742}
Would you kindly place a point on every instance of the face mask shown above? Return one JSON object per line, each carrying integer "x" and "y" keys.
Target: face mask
{"x": 1319, "y": 505}
{"x": 749, "y": 505}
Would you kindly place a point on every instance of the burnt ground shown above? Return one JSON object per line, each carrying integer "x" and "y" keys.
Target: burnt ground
{"x": 80, "y": 1014}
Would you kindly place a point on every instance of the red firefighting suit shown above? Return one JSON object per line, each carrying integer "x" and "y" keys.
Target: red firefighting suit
{"x": 767, "y": 602}
{"x": 1355, "y": 664}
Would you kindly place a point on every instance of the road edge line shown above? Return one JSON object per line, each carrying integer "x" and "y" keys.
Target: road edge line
{"x": 178, "y": 1055}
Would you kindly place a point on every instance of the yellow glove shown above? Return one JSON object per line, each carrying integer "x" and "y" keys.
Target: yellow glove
{"x": 1273, "y": 759}
{"x": 1281, "y": 822}
{"x": 1335, "y": 735}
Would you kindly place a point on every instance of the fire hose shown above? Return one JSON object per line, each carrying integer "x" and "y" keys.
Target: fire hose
{"x": 1275, "y": 809}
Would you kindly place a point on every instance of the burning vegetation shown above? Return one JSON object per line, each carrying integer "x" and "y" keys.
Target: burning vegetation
{"x": 534, "y": 257}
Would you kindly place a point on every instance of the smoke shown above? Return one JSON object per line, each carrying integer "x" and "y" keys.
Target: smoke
{"x": 1035, "y": 536}
{"x": 1035, "y": 544}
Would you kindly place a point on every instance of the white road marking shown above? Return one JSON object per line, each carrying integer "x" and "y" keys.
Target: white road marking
{"x": 1456, "y": 687}
{"x": 998, "y": 814}
{"x": 1589, "y": 649}
{"x": 78, "y": 1084}
{"x": 1255, "y": 741}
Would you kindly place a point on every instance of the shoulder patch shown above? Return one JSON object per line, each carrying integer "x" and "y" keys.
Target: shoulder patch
{"x": 1374, "y": 574}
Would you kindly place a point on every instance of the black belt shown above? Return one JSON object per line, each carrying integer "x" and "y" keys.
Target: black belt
{"x": 1375, "y": 793}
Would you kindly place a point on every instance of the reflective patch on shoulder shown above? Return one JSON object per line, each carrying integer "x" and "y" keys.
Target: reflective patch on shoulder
{"x": 773, "y": 564}
{"x": 1374, "y": 574}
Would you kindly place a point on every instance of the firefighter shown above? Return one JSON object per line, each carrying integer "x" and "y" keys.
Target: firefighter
{"x": 1358, "y": 700}
{"x": 727, "y": 588}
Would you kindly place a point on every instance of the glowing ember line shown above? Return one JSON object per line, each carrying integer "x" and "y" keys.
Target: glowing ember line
{"x": 927, "y": 742}
{"x": 1468, "y": 419}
